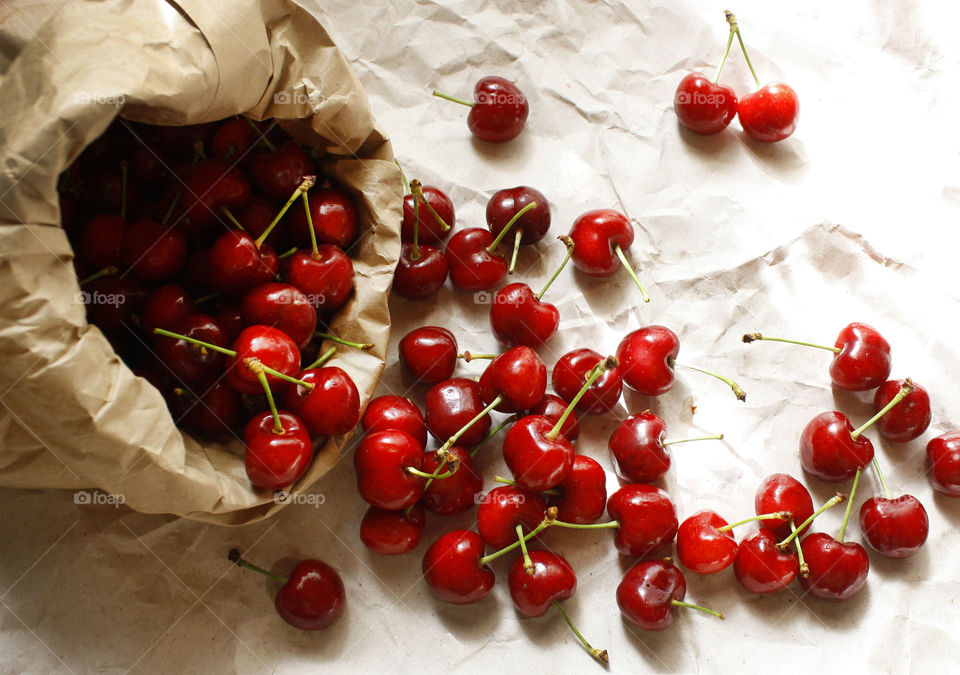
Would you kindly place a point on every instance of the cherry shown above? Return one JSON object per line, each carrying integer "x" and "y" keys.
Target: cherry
{"x": 472, "y": 261}
{"x": 505, "y": 508}
{"x": 165, "y": 306}
{"x": 943, "y": 456}
{"x": 518, "y": 317}
{"x": 570, "y": 372}
{"x": 278, "y": 171}
{"x": 210, "y": 187}
{"x": 189, "y": 362}
{"x": 392, "y": 532}
{"x": 419, "y": 275}
{"x": 154, "y": 252}
{"x": 382, "y": 460}
{"x": 648, "y": 356}
{"x": 233, "y": 139}
{"x": 282, "y": 306}
{"x": 498, "y": 112}
{"x": 256, "y": 217}
{"x": 332, "y": 215}
{"x": 452, "y": 404}
{"x": 530, "y": 227}
{"x": 639, "y": 450}
{"x": 455, "y": 493}
{"x": 760, "y": 566}
{"x": 395, "y": 412}
{"x": 214, "y": 413}
{"x": 279, "y": 449}
{"x": 231, "y": 320}
{"x": 599, "y": 238}
{"x": 647, "y": 517}
{"x": 311, "y": 599}
{"x": 269, "y": 347}
{"x": 429, "y": 353}
{"x": 331, "y": 407}
{"x": 454, "y": 569}
{"x": 325, "y": 277}
{"x": 861, "y": 356}
{"x": 909, "y": 419}
{"x": 702, "y": 105}
{"x": 895, "y": 528}
{"x": 782, "y": 492}
{"x": 113, "y": 300}
{"x": 650, "y": 590}
{"x": 236, "y": 264}
{"x": 101, "y": 241}
{"x": 434, "y": 216}
{"x": 518, "y": 377}
{"x": 552, "y": 407}
{"x": 583, "y": 493}
{"x": 704, "y": 545}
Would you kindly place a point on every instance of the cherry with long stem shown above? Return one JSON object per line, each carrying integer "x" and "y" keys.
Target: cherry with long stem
{"x": 326, "y": 356}
{"x": 506, "y": 228}
{"x": 735, "y": 30}
{"x": 607, "y": 364}
{"x": 756, "y": 337}
{"x": 307, "y": 183}
{"x": 901, "y": 394}
{"x": 833, "y": 501}
{"x": 726, "y": 52}
{"x": 691, "y": 439}
{"x": 782, "y": 515}
{"x": 568, "y": 242}
{"x": 737, "y": 389}
{"x": 599, "y": 654}
{"x": 633, "y": 275}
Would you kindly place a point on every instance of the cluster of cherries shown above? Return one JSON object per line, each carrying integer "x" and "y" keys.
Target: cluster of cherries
{"x": 706, "y": 107}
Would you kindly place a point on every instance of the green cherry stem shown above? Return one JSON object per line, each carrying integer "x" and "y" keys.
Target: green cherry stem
{"x": 232, "y": 218}
{"x": 610, "y": 524}
{"x": 417, "y": 189}
{"x": 904, "y": 391}
{"x": 307, "y": 183}
{"x": 363, "y": 346}
{"x": 712, "y": 437}
{"x": 518, "y": 235}
{"x": 510, "y": 223}
{"x": 470, "y": 356}
{"x": 262, "y": 376}
{"x": 288, "y": 253}
{"x": 507, "y": 481}
{"x": 105, "y": 272}
{"x": 726, "y": 53}
{"x": 568, "y": 242}
{"x": 756, "y": 337}
{"x": 833, "y": 501}
{"x": 451, "y": 98}
{"x": 173, "y": 205}
{"x": 206, "y": 298}
{"x": 782, "y": 515}
{"x": 235, "y": 558}
{"x": 313, "y": 235}
{"x": 633, "y": 275}
{"x": 403, "y": 176}
{"x": 846, "y": 514}
{"x": 415, "y": 246}
{"x": 549, "y": 519}
{"x": 737, "y": 390}
{"x": 883, "y": 482}
{"x": 608, "y": 363}
{"x": 466, "y": 427}
{"x": 327, "y": 355}
{"x": 432, "y": 476}
{"x": 263, "y": 137}
{"x": 527, "y": 562}
{"x": 735, "y": 27}
{"x": 804, "y": 567}
{"x": 690, "y": 605}
{"x": 493, "y": 432}
{"x": 599, "y": 655}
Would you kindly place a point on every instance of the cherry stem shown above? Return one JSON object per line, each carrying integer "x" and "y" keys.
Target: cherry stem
{"x": 735, "y": 28}
{"x": 433, "y": 476}
{"x": 629, "y": 268}
{"x": 205, "y": 298}
{"x": 904, "y": 391}
{"x": 506, "y": 228}
{"x": 883, "y": 482}
{"x": 507, "y": 481}
{"x": 307, "y": 183}
{"x": 232, "y": 218}
{"x": 451, "y": 98}
{"x": 833, "y": 501}
{"x": 607, "y": 364}
{"x": 198, "y": 152}
{"x": 417, "y": 189}
{"x": 470, "y": 356}
{"x": 737, "y": 390}
{"x": 327, "y": 355}
{"x": 262, "y": 376}
{"x": 518, "y": 235}
{"x": 612, "y": 524}
{"x": 466, "y": 427}
{"x": 782, "y": 515}
{"x": 123, "y": 189}
{"x": 234, "y": 557}
{"x": 173, "y": 205}
{"x": 250, "y": 363}
{"x": 403, "y": 176}
{"x": 527, "y": 562}
{"x": 287, "y": 254}
{"x": 363, "y": 346}
{"x": 689, "y": 605}
{"x": 105, "y": 272}
{"x": 549, "y": 518}
{"x": 263, "y": 137}
{"x": 804, "y": 567}
{"x": 714, "y": 437}
{"x": 200, "y": 343}
{"x": 313, "y": 235}
{"x": 493, "y": 432}
{"x": 415, "y": 250}
{"x": 754, "y": 337}
{"x": 599, "y": 654}
{"x": 846, "y": 514}
{"x": 725, "y": 54}
{"x": 568, "y": 242}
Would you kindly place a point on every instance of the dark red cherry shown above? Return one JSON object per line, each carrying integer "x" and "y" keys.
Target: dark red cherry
{"x": 505, "y": 507}
{"x": 451, "y": 567}
{"x": 499, "y": 110}
{"x": 429, "y": 353}
{"x": 334, "y": 215}
{"x": 101, "y": 241}
{"x": 453, "y": 403}
{"x": 236, "y": 264}
{"x": 648, "y": 519}
{"x": 421, "y": 277}
{"x": 217, "y": 411}
{"x": 471, "y": 265}
{"x": 331, "y": 408}
{"x": 210, "y": 186}
{"x": 505, "y": 204}
{"x": 943, "y": 457}
{"x": 637, "y": 448}
{"x": 583, "y": 493}
{"x": 519, "y": 318}
{"x": 456, "y": 493}
{"x": 192, "y": 363}
{"x": 256, "y": 215}
{"x": 381, "y": 460}
{"x": 232, "y": 140}
{"x": 395, "y": 412}
{"x": 272, "y": 348}
{"x": 570, "y": 373}
{"x": 231, "y": 320}
{"x": 703, "y": 106}
{"x": 552, "y": 407}
{"x": 430, "y": 231}
{"x": 551, "y": 580}
{"x": 392, "y": 532}
{"x": 279, "y": 172}
{"x": 702, "y": 547}
{"x": 829, "y": 451}
{"x": 537, "y": 462}
{"x": 276, "y": 460}
{"x": 112, "y": 301}
{"x": 326, "y": 278}
{"x": 165, "y": 306}
{"x": 780, "y": 492}
{"x": 313, "y": 597}
{"x": 909, "y": 419}
{"x": 895, "y": 528}
{"x": 762, "y": 568}
{"x": 837, "y": 569}
{"x": 282, "y": 306}
{"x": 596, "y": 234}
{"x": 645, "y": 595}
{"x": 518, "y": 376}
{"x": 154, "y": 252}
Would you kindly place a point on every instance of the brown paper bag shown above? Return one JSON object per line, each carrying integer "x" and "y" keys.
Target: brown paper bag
{"x": 72, "y": 415}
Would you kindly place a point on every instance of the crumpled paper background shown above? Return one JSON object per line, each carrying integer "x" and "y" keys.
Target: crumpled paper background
{"x": 851, "y": 219}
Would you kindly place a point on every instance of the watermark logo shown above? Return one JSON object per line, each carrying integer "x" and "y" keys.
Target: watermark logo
{"x": 500, "y": 98}
{"x": 487, "y": 498}
{"x": 98, "y": 298}
{"x": 308, "y": 498}
{"x": 99, "y": 98}
{"x": 293, "y": 98}
{"x": 485, "y": 298}
{"x": 699, "y": 98}
{"x": 97, "y": 498}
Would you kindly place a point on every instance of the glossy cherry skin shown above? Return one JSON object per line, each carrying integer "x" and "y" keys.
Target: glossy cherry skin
{"x": 165, "y": 306}
{"x": 702, "y": 547}
{"x": 236, "y": 265}
{"x": 101, "y": 241}
{"x": 895, "y": 528}
{"x": 552, "y": 580}
{"x": 278, "y": 173}
{"x": 451, "y": 567}
{"x": 274, "y": 461}
{"x": 702, "y": 106}
{"x": 646, "y": 359}
{"x": 313, "y": 596}
{"x": 453, "y": 403}
{"x": 211, "y": 185}
{"x": 583, "y": 493}
{"x": 395, "y": 412}
{"x": 381, "y": 460}
{"x": 392, "y": 532}
{"x": 499, "y": 110}
{"x": 472, "y": 267}
{"x": 233, "y": 139}
{"x": 335, "y": 219}
{"x": 505, "y": 507}
{"x": 429, "y": 230}
{"x": 273, "y": 348}
{"x": 645, "y": 594}
{"x": 780, "y": 492}
{"x": 519, "y": 376}
{"x": 505, "y": 204}
{"x": 191, "y": 363}
{"x": 217, "y": 412}
{"x": 332, "y": 407}
{"x": 282, "y": 306}
{"x": 421, "y": 278}
{"x": 760, "y": 567}
{"x": 326, "y": 279}
{"x": 943, "y": 456}
{"x": 552, "y": 407}
{"x": 909, "y": 418}
{"x": 595, "y": 234}
{"x": 864, "y": 360}
{"x": 837, "y": 570}
{"x": 154, "y": 252}
{"x": 770, "y": 114}
{"x": 648, "y": 519}
{"x": 537, "y": 462}
{"x": 570, "y": 374}
{"x": 639, "y": 455}
{"x": 828, "y": 451}
{"x": 429, "y": 353}
{"x": 456, "y": 493}
{"x": 519, "y": 318}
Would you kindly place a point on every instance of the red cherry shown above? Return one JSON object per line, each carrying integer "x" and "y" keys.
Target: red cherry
{"x": 282, "y": 306}
{"x": 471, "y": 263}
{"x": 217, "y": 412}
{"x": 596, "y": 236}
{"x": 191, "y": 363}
{"x": 648, "y": 519}
{"x": 837, "y": 569}
{"x": 552, "y": 407}
{"x": 647, "y": 593}
{"x": 278, "y": 172}
{"x": 943, "y": 456}
{"x": 583, "y": 493}
{"x": 702, "y": 547}
{"x": 829, "y": 451}
{"x": 452, "y": 569}
{"x": 519, "y": 318}
{"x": 233, "y": 139}
{"x": 381, "y": 460}
{"x": 704, "y": 107}
{"x": 421, "y": 277}
{"x": 770, "y": 114}
{"x": 518, "y": 376}
{"x": 537, "y": 461}
{"x": 101, "y": 241}
{"x": 895, "y": 528}
{"x": 256, "y": 216}
{"x": 276, "y": 460}
{"x": 453, "y": 494}
{"x": 760, "y": 566}
{"x": 498, "y": 112}
{"x": 392, "y": 532}
{"x": 505, "y": 204}
{"x": 453, "y": 403}
{"x": 570, "y": 373}
{"x": 864, "y": 360}
{"x": 334, "y": 217}
{"x": 165, "y": 306}
{"x": 313, "y": 598}
{"x": 331, "y": 408}
{"x": 210, "y": 186}
{"x": 430, "y": 231}
{"x": 551, "y": 580}
{"x": 505, "y": 507}
{"x": 780, "y": 492}
{"x": 236, "y": 264}
{"x": 395, "y": 412}
{"x": 909, "y": 419}
{"x": 231, "y": 319}
{"x": 429, "y": 353}
{"x": 272, "y": 348}
{"x": 325, "y": 278}
{"x": 154, "y": 252}
{"x": 637, "y": 448}
{"x": 646, "y": 359}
